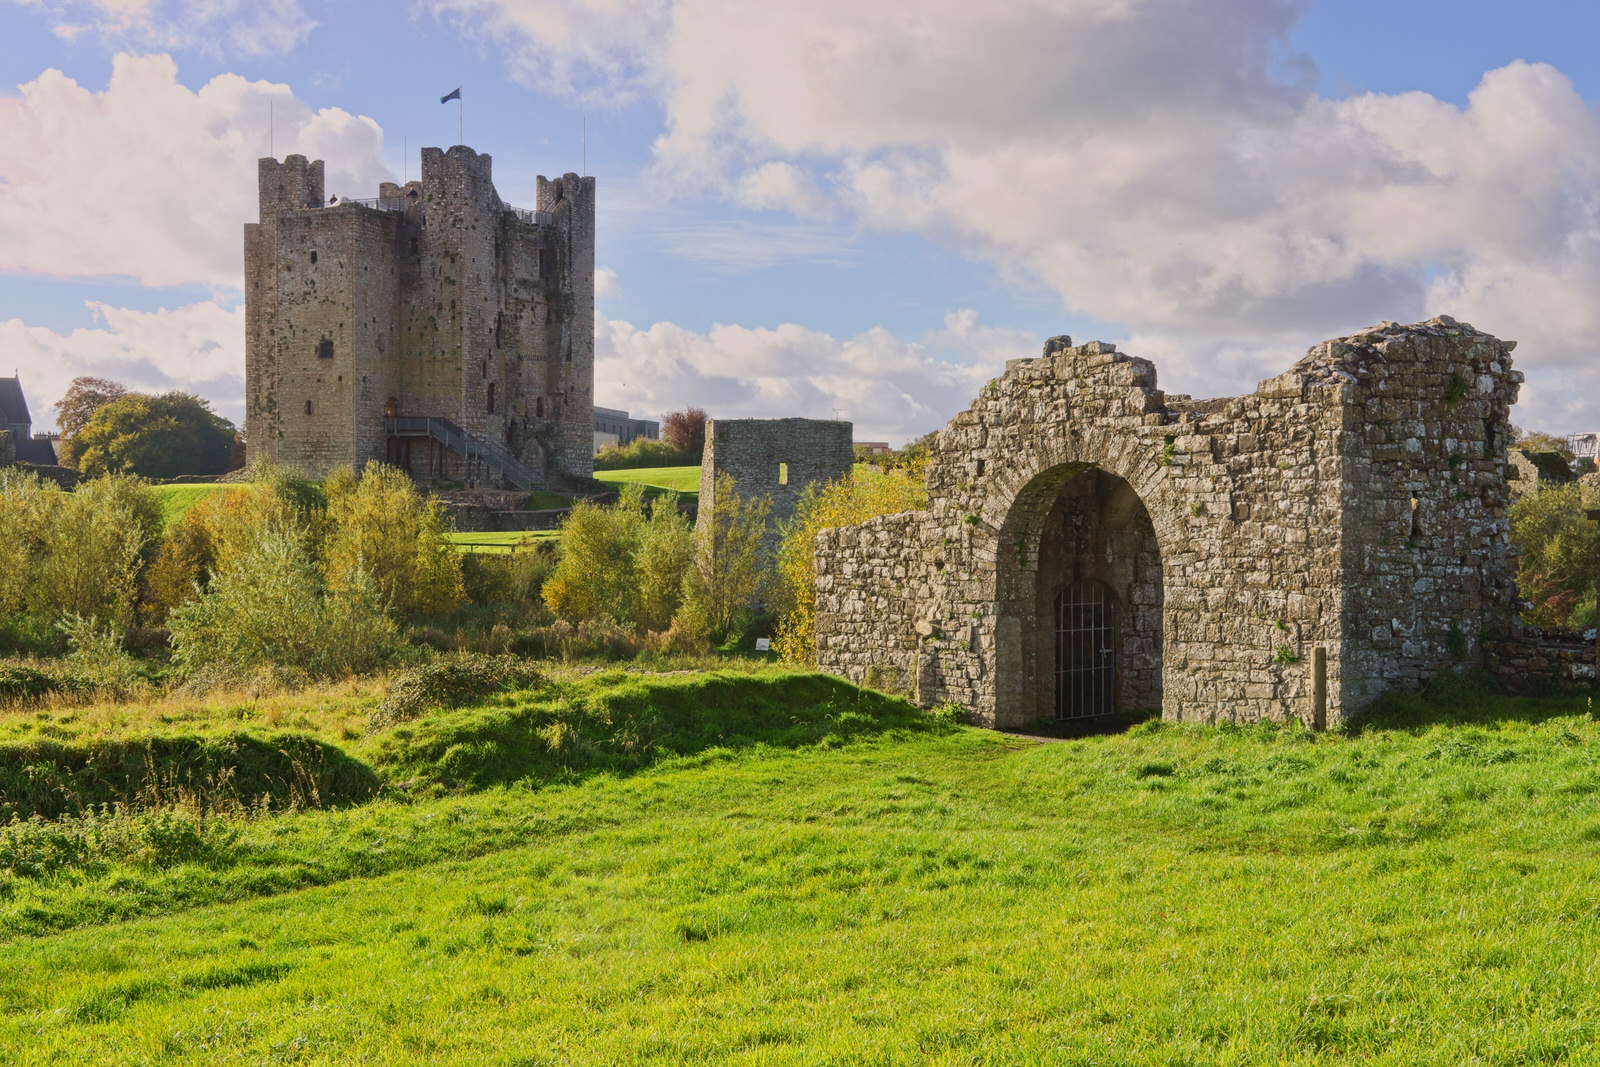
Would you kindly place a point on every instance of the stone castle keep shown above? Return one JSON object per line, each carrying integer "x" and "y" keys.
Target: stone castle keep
{"x": 435, "y": 327}
{"x": 1094, "y": 545}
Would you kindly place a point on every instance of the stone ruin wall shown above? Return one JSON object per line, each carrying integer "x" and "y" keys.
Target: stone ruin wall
{"x": 1284, "y": 523}
{"x": 809, "y": 451}
{"x": 427, "y": 305}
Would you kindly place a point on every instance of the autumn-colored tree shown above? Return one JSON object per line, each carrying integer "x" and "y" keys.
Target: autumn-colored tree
{"x": 383, "y": 532}
{"x": 685, "y": 431}
{"x": 853, "y": 499}
{"x": 84, "y": 396}
{"x": 1539, "y": 441}
{"x": 730, "y": 562}
{"x": 1556, "y": 568}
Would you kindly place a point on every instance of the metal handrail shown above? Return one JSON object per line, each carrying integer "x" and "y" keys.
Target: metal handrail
{"x": 538, "y": 218}
{"x": 379, "y": 203}
{"x": 462, "y": 444}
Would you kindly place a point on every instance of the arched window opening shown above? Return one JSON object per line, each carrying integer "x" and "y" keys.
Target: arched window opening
{"x": 491, "y": 398}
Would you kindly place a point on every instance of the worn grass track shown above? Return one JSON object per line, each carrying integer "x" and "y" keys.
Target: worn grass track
{"x": 1424, "y": 891}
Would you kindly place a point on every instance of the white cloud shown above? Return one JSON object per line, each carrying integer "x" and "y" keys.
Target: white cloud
{"x": 151, "y": 179}
{"x": 888, "y": 387}
{"x": 597, "y": 51}
{"x": 605, "y": 283}
{"x": 215, "y": 27}
{"x": 197, "y": 349}
{"x": 1163, "y": 164}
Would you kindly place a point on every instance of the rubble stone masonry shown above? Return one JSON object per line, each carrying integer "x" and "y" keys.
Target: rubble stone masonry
{"x": 433, "y": 299}
{"x": 1287, "y": 554}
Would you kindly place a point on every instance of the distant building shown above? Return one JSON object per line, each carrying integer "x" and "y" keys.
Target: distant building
{"x": 613, "y": 427}
{"x": 1584, "y": 445}
{"x": 877, "y": 448}
{"x": 14, "y": 417}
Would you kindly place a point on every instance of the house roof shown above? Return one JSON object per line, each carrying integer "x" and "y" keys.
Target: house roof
{"x": 13, "y": 406}
{"x": 40, "y": 450}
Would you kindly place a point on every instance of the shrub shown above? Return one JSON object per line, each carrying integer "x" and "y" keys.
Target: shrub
{"x": 382, "y": 530}
{"x": 851, "y": 500}
{"x": 730, "y": 558}
{"x": 643, "y": 452}
{"x": 594, "y": 572}
{"x": 515, "y": 577}
{"x": 97, "y": 659}
{"x": 451, "y": 682}
{"x": 21, "y": 684}
{"x": 266, "y": 613}
{"x": 1557, "y": 568}
{"x": 80, "y": 553}
{"x": 665, "y": 551}
{"x": 182, "y": 565}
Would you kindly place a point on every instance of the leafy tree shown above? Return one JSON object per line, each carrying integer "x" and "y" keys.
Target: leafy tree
{"x": 382, "y": 530}
{"x": 1557, "y": 567}
{"x": 730, "y": 558}
{"x": 685, "y": 431}
{"x": 79, "y": 553}
{"x": 1539, "y": 441}
{"x": 267, "y": 613}
{"x": 155, "y": 436}
{"x": 666, "y": 549}
{"x": 77, "y": 406}
{"x": 594, "y": 573}
{"x": 849, "y": 501}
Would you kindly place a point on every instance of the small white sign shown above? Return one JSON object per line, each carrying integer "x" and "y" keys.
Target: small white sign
{"x": 763, "y": 645}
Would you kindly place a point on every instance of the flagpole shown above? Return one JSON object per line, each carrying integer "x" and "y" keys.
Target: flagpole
{"x": 460, "y": 121}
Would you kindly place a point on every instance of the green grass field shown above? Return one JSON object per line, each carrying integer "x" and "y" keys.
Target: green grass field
{"x": 685, "y": 481}
{"x": 772, "y": 868}
{"x": 178, "y": 500}
{"x": 499, "y": 541}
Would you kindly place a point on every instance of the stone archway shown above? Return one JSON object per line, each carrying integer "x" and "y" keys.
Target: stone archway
{"x": 1072, "y": 528}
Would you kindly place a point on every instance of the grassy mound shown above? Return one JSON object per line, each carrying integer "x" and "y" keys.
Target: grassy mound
{"x": 52, "y": 778}
{"x": 618, "y": 722}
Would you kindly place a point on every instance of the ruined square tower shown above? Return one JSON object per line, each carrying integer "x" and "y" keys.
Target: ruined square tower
{"x": 434, "y": 327}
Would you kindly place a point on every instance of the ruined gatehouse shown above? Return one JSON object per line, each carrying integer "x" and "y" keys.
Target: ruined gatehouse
{"x": 434, "y": 327}
{"x": 1093, "y": 545}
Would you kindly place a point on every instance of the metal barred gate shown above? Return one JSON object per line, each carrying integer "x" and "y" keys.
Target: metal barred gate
{"x": 1086, "y": 655}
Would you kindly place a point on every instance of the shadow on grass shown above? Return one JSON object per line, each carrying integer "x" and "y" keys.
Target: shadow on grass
{"x": 1472, "y": 698}
{"x": 621, "y": 723}
{"x": 1099, "y": 726}
{"x": 52, "y": 779}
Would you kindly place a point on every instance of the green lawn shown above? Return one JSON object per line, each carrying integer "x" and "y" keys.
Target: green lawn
{"x": 501, "y": 541}
{"x": 777, "y": 869}
{"x": 178, "y": 500}
{"x": 685, "y": 481}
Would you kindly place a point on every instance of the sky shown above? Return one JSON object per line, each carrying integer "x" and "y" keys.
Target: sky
{"x": 844, "y": 208}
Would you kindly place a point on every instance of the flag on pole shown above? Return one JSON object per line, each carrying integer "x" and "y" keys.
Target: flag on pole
{"x": 454, "y": 94}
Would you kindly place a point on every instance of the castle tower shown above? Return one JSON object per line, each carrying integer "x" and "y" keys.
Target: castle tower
{"x": 434, "y": 327}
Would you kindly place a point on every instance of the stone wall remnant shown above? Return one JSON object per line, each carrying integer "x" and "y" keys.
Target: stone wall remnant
{"x": 777, "y": 458}
{"x": 1289, "y": 554}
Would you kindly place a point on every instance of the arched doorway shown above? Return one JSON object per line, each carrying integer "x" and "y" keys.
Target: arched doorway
{"x": 1079, "y": 633}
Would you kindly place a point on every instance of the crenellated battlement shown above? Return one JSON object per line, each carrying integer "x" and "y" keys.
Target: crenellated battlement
{"x": 433, "y": 299}
{"x": 293, "y": 185}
